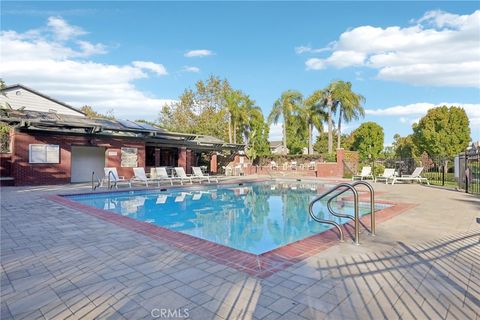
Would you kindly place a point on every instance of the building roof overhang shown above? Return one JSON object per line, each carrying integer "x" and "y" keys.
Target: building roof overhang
{"x": 62, "y": 124}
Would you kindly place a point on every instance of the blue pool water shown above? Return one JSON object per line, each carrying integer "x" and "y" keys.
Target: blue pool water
{"x": 255, "y": 217}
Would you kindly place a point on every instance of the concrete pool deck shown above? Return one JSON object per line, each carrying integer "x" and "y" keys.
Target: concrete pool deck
{"x": 58, "y": 262}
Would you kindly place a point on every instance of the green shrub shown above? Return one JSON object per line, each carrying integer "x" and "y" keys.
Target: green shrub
{"x": 330, "y": 157}
{"x": 378, "y": 170}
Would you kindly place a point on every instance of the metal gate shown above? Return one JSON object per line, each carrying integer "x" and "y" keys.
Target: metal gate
{"x": 469, "y": 170}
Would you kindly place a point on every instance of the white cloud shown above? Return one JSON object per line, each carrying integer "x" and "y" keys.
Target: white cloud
{"x": 40, "y": 59}
{"x": 315, "y": 64}
{"x": 276, "y": 132}
{"x": 416, "y": 110}
{"x": 157, "y": 68}
{"x": 90, "y": 49}
{"x": 62, "y": 30}
{"x": 198, "y": 53}
{"x": 191, "y": 69}
{"x": 309, "y": 49}
{"x": 440, "y": 49}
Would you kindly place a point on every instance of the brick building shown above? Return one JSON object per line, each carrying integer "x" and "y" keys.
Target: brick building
{"x": 52, "y": 143}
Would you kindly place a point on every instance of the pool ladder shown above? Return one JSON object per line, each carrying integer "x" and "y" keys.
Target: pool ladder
{"x": 98, "y": 183}
{"x": 341, "y": 189}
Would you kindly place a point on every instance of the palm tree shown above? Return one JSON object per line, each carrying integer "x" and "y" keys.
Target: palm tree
{"x": 348, "y": 104}
{"x": 285, "y": 106}
{"x": 314, "y": 115}
{"x": 336, "y": 94}
{"x": 232, "y": 101}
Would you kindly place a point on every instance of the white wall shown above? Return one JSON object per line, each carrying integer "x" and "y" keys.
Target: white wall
{"x": 19, "y": 97}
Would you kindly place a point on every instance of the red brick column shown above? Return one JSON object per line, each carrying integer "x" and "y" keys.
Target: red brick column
{"x": 182, "y": 158}
{"x": 213, "y": 163}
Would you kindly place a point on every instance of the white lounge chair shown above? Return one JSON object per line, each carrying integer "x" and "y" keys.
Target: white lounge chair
{"x": 180, "y": 172}
{"x": 387, "y": 174}
{"x": 415, "y": 176}
{"x": 198, "y": 174}
{"x": 293, "y": 165}
{"x": 365, "y": 174}
{"x": 111, "y": 172}
{"x": 160, "y": 173}
{"x": 140, "y": 176}
{"x": 273, "y": 165}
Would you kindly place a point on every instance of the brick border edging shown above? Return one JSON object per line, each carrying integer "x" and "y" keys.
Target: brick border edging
{"x": 262, "y": 265}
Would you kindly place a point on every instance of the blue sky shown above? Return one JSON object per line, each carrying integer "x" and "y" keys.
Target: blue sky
{"x": 134, "y": 56}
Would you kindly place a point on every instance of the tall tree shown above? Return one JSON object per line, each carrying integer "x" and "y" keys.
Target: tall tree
{"x": 289, "y": 102}
{"x": 404, "y": 147}
{"x": 200, "y": 111}
{"x": 214, "y": 108}
{"x": 91, "y": 113}
{"x": 368, "y": 140}
{"x": 348, "y": 104}
{"x": 314, "y": 114}
{"x": 442, "y": 132}
{"x": 232, "y": 104}
{"x": 257, "y": 135}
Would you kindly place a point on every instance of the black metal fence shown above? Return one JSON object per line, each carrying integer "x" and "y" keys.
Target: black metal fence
{"x": 469, "y": 169}
{"x": 438, "y": 171}
{"x": 461, "y": 172}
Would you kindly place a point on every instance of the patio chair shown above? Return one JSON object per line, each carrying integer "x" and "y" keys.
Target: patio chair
{"x": 160, "y": 173}
{"x": 293, "y": 165}
{"x": 140, "y": 176}
{"x": 365, "y": 174}
{"x": 198, "y": 173}
{"x": 312, "y": 165}
{"x": 415, "y": 176}
{"x": 273, "y": 165}
{"x": 180, "y": 172}
{"x": 387, "y": 174}
{"x": 111, "y": 172}
{"x": 227, "y": 170}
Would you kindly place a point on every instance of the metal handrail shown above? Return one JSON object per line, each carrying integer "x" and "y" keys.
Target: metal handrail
{"x": 372, "y": 203}
{"x": 108, "y": 179}
{"x": 94, "y": 187}
{"x": 355, "y": 218}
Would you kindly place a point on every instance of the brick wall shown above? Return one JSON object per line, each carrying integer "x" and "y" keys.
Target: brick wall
{"x": 323, "y": 169}
{"x": 5, "y": 165}
{"x": 26, "y": 173}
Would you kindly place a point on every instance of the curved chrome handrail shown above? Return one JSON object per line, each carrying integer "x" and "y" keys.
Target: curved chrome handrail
{"x": 108, "y": 179}
{"x": 355, "y": 217}
{"x": 372, "y": 204}
{"x": 94, "y": 187}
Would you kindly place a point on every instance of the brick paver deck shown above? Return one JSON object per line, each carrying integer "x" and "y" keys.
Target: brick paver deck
{"x": 58, "y": 263}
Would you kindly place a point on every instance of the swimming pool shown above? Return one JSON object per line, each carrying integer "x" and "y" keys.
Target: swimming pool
{"x": 252, "y": 217}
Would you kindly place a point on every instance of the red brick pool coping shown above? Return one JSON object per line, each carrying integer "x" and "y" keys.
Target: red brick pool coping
{"x": 262, "y": 265}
